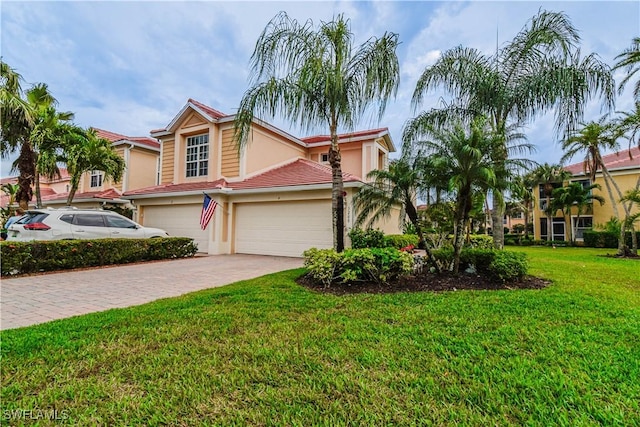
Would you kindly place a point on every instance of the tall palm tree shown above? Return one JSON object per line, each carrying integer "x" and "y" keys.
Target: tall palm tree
{"x": 538, "y": 71}
{"x": 16, "y": 121}
{"x": 46, "y": 135}
{"x": 630, "y": 61}
{"x": 549, "y": 176}
{"x": 316, "y": 78}
{"x": 578, "y": 196}
{"x": 591, "y": 140}
{"x": 84, "y": 152}
{"x": 462, "y": 158}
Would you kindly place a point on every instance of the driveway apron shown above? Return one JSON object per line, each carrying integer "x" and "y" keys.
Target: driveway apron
{"x": 41, "y": 298}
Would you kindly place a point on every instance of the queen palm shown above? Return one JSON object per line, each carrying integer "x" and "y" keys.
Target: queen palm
{"x": 630, "y": 61}
{"x": 538, "y": 71}
{"x": 549, "y": 176}
{"x": 85, "y": 151}
{"x": 591, "y": 140}
{"x": 316, "y": 78}
{"x": 633, "y": 198}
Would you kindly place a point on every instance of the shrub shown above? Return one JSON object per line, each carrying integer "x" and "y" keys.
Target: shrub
{"x": 369, "y": 238}
{"x": 400, "y": 241}
{"x": 499, "y": 265}
{"x": 508, "y": 266}
{"x": 323, "y": 264}
{"x": 380, "y": 265}
{"x": 481, "y": 241}
{"x": 32, "y": 257}
{"x": 605, "y": 239}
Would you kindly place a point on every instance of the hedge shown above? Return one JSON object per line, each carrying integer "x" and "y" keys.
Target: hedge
{"x": 605, "y": 239}
{"x": 39, "y": 256}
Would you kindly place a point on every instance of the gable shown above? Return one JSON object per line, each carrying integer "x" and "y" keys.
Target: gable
{"x": 193, "y": 120}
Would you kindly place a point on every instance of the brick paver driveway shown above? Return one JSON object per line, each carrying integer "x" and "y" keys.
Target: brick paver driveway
{"x": 36, "y": 299}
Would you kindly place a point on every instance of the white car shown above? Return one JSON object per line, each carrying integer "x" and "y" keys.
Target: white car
{"x": 70, "y": 223}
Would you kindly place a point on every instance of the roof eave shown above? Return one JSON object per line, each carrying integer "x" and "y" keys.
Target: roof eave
{"x": 230, "y": 191}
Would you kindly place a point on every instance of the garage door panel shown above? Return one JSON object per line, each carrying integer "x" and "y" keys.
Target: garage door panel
{"x": 178, "y": 221}
{"x": 283, "y": 228}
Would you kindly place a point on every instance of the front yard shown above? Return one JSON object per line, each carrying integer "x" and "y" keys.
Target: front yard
{"x": 269, "y": 352}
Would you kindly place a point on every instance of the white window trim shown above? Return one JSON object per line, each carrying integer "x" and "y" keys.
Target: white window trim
{"x": 573, "y": 217}
{"x": 198, "y": 160}
{"x": 99, "y": 175}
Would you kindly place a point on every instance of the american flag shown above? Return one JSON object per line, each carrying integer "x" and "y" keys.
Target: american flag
{"x": 208, "y": 208}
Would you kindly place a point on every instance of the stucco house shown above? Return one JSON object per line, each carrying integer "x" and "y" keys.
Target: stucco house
{"x": 274, "y": 196}
{"x": 624, "y": 167}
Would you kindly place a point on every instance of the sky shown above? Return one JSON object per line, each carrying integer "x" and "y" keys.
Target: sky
{"x": 129, "y": 67}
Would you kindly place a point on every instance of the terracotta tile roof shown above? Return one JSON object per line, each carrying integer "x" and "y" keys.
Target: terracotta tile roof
{"x": 115, "y": 137}
{"x": 327, "y": 138}
{"x": 621, "y": 160}
{"x": 298, "y": 172}
{"x": 178, "y": 188}
{"x": 109, "y": 194}
{"x": 64, "y": 175}
{"x": 210, "y": 111}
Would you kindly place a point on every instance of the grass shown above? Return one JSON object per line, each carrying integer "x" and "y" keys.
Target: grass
{"x": 268, "y": 352}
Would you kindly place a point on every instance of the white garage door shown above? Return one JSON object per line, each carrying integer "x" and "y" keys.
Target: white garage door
{"x": 283, "y": 228}
{"x": 178, "y": 221}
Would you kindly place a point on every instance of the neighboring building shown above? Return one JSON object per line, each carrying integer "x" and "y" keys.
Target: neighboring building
{"x": 141, "y": 156}
{"x": 274, "y": 196}
{"x": 624, "y": 167}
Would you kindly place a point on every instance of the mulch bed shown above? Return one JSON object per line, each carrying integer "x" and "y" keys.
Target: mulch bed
{"x": 427, "y": 282}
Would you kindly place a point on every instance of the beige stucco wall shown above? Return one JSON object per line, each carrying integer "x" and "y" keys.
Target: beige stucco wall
{"x": 142, "y": 169}
{"x": 266, "y": 149}
{"x": 601, "y": 214}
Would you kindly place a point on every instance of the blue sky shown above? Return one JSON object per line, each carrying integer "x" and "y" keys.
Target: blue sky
{"x": 129, "y": 67}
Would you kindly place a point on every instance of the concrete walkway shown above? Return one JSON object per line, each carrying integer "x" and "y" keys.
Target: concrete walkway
{"x": 36, "y": 299}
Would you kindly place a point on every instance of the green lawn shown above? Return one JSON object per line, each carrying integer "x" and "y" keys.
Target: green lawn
{"x": 267, "y": 352}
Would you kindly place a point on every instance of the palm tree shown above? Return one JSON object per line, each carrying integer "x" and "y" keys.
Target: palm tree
{"x": 591, "y": 140}
{"x": 463, "y": 159}
{"x": 522, "y": 192}
{"x": 575, "y": 194}
{"x": 549, "y": 176}
{"x": 389, "y": 189}
{"x": 630, "y": 61}
{"x": 538, "y": 71}
{"x": 85, "y": 151}
{"x": 633, "y": 198}
{"x": 16, "y": 122}
{"x": 46, "y": 135}
{"x": 316, "y": 78}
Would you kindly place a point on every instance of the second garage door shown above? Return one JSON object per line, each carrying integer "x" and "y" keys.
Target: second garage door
{"x": 283, "y": 228}
{"x": 178, "y": 221}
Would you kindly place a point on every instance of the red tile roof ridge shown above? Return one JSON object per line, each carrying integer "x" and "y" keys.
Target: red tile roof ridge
{"x": 173, "y": 188}
{"x": 211, "y": 111}
{"x": 109, "y": 135}
{"x": 327, "y": 138}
